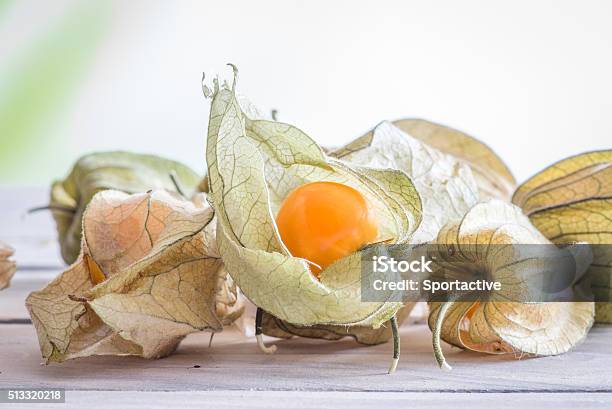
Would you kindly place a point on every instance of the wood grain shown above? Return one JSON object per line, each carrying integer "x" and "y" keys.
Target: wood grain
{"x": 235, "y": 363}
{"x": 353, "y": 400}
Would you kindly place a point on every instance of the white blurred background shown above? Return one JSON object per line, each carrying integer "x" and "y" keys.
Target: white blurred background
{"x": 530, "y": 78}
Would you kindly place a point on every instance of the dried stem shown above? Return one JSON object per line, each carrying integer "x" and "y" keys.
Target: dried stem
{"x": 52, "y": 208}
{"x": 259, "y": 336}
{"x": 176, "y": 184}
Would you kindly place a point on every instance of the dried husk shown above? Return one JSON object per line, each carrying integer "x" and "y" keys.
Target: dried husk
{"x": 498, "y": 326}
{"x": 571, "y": 201}
{"x": 124, "y": 171}
{"x": 252, "y": 165}
{"x": 148, "y": 275}
{"x": 492, "y": 175}
{"x": 7, "y": 266}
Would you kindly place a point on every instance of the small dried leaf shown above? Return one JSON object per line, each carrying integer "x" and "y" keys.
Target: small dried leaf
{"x": 497, "y": 325}
{"x": 162, "y": 279}
{"x": 7, "y": 266}
{"x": 252, "y": 165}
{"x": 571, "y": 201}
{"x": 123, "y": 171}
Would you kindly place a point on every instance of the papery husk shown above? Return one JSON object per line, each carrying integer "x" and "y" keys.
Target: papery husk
{"x": 571, "y": 201}
{"x": 8, "y": 267}
{"x": 148, "y": 275}
{"x": 252, "y": 165}
{"x": 498, "y": 326}
{"x": 365, "y": 335}
{"x": 124, "y": 171}
{"x": 493, "y": 177}
{"x": 445, "y": 184}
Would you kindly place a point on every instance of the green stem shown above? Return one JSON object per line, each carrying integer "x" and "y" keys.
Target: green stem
{"x": 437, "y": 333}
{"x": 396, "y": 344}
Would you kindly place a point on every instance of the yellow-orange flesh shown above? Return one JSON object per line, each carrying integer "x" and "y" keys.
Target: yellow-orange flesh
{"x": 325, "y": 221}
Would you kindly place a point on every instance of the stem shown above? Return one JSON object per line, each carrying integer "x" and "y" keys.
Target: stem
{"x": 177, "y": 185}
{"x": 274, "y": 114}
{"x": 16, "y": 321}
{"x": 75, "y": 298}
{"x": 436, "y": 335}
{"x": 52, "y": 208}
{"x": 259, "y": 336}
{"x": 212, "y": 334}
{"x": 396, "y": 345}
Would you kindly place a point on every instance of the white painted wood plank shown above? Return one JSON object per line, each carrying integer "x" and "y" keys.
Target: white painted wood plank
{"x": 12, "y": 299}
{"x": 235, "y": 363}
{"x": 35, "y": 253}
{"x": 33, "y": 236}
{"x": 14, "y": 205}
{"x": 330, "y": 400}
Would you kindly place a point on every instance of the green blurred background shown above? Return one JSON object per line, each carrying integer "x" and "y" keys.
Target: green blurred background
{"x": 38, "y": 83}
{"x": 532, "y": 79}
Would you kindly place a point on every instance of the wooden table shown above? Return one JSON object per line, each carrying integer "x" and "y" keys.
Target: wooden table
{"x": 303, "y": 373}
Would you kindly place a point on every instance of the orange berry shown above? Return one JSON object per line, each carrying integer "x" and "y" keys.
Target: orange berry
{"x": 325, "y": 221}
